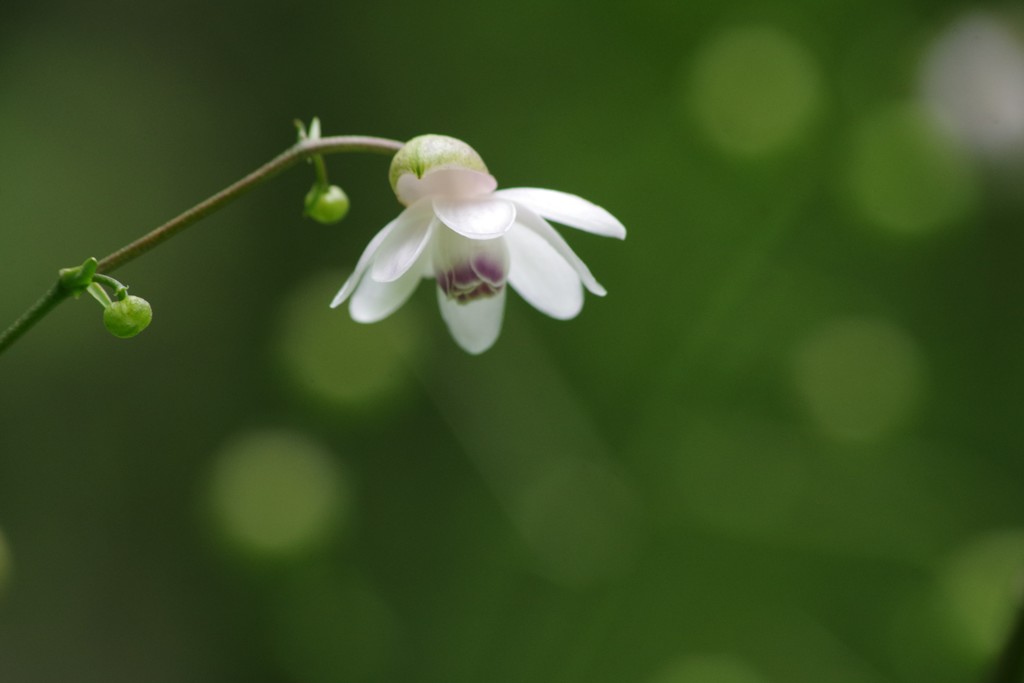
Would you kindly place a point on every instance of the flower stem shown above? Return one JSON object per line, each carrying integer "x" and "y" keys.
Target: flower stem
{"x": 321, "y": 171}
{"x": 133, "y": 250}
{"x": 116, "y": 287}
{"x": 288, "y": 158}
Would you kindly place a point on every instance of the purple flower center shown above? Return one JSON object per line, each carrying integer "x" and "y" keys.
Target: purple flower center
{"x": 478, "y": 278}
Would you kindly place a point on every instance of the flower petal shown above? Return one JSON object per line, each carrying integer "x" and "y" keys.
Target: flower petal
{"x": 476, "y": 325}
{"x": 478, "y": 218}
{"x": 375, "y": 300}
{"x": 542, "y": 276}
{"x": 408, "y": 238}
{"x": 444, "y": 182}
{"x": 364, "y": 262}
{"x": 567, "y": 209}
{"x": 531, "y": 221}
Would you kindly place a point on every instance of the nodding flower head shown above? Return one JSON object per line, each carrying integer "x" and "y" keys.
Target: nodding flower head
{"x": 472, "y": 239}
{"x": 445, "y": 159}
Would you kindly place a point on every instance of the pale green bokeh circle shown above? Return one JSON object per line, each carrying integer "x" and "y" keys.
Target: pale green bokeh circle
{"x": 754, "y": 90}
{"x": 906, "y": 176}
{"x": 334, "y": 360}
{"x": 859, "y": 378}
{"x": 708, "y": 669}
{"x": 979, "y": 589}
{"x": 5, "y": 562}
{"x": 277, "y": 493}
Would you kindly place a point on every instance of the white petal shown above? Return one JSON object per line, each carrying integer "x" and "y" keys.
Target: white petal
{"x": 364, "y": 262}
{"x": 531, "y": 221}
{"x": 476, "y": 325}
{"x": 375, "y": 300}
{"x": 409, "y": 236}
{"x": 479, "y": 218}
{"x": 541, "y": 276}
{"x": 444, "y": 182}
{"x": 567, "y": 209}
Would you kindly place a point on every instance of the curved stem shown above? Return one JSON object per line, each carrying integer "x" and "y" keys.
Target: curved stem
{"x": 133, "y": 250}
{"x": 116, "y": 287}
{"x": 301, "y": 150}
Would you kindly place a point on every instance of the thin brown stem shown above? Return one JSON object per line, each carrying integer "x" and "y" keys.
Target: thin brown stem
{"x": 133, "y": 250}
{"x": 288, "y": 158}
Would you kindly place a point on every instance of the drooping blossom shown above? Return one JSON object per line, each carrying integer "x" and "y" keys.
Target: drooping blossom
{"x": 474, "y": 241}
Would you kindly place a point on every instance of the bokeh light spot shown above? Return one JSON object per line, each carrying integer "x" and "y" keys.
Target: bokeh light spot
{"x": 277, "y": 493}
{"x": 708, "y": 669}
{"x": 980, "y": 588}
{"x": 859, "y": 378}
{"x": 972, "y": 78}
{"x": 906, "y": 176}
{"x": 754, "y": 90}
{"x": 341, "y": 363}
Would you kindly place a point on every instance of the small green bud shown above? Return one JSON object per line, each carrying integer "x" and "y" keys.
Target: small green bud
{"x": 127, "y": 317}
{"x": 432, "y": 152}
{"x": 327, "y": 206}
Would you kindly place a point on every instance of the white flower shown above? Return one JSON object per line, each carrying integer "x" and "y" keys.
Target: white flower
{"x": 473, "y": 239}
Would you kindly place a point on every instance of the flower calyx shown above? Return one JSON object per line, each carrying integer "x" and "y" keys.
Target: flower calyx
{"x": 425, "y": 155}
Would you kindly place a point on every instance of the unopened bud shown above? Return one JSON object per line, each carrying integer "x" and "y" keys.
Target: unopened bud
{"x": 327, "y": 206}
{"x": 127, "y": 317}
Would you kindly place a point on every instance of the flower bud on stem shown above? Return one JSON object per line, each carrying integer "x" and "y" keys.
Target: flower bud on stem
{"x": 325, "y": 203}
{"x": 127, "y": 317}
{"x": 124, "y": 316}
{"x": 70, "y": 283}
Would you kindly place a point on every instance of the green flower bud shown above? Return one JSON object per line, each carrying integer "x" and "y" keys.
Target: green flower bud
{"x": 432, "y": 152}
{"x": 327, "y": 206}
{"x": 127, "y": 317}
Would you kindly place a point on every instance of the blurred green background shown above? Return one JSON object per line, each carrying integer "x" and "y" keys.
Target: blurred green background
{"x": 786, "y": 448}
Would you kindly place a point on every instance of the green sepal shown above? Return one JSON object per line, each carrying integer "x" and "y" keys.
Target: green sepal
{"x": 76, "y": 280}
{"x": 426, "y": 153}
{"x": 97, "y": 292}
{"x": 313, "y": 133}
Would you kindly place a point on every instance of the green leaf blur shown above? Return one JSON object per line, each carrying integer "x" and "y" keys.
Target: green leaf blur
{"x": 785, "y": 448}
